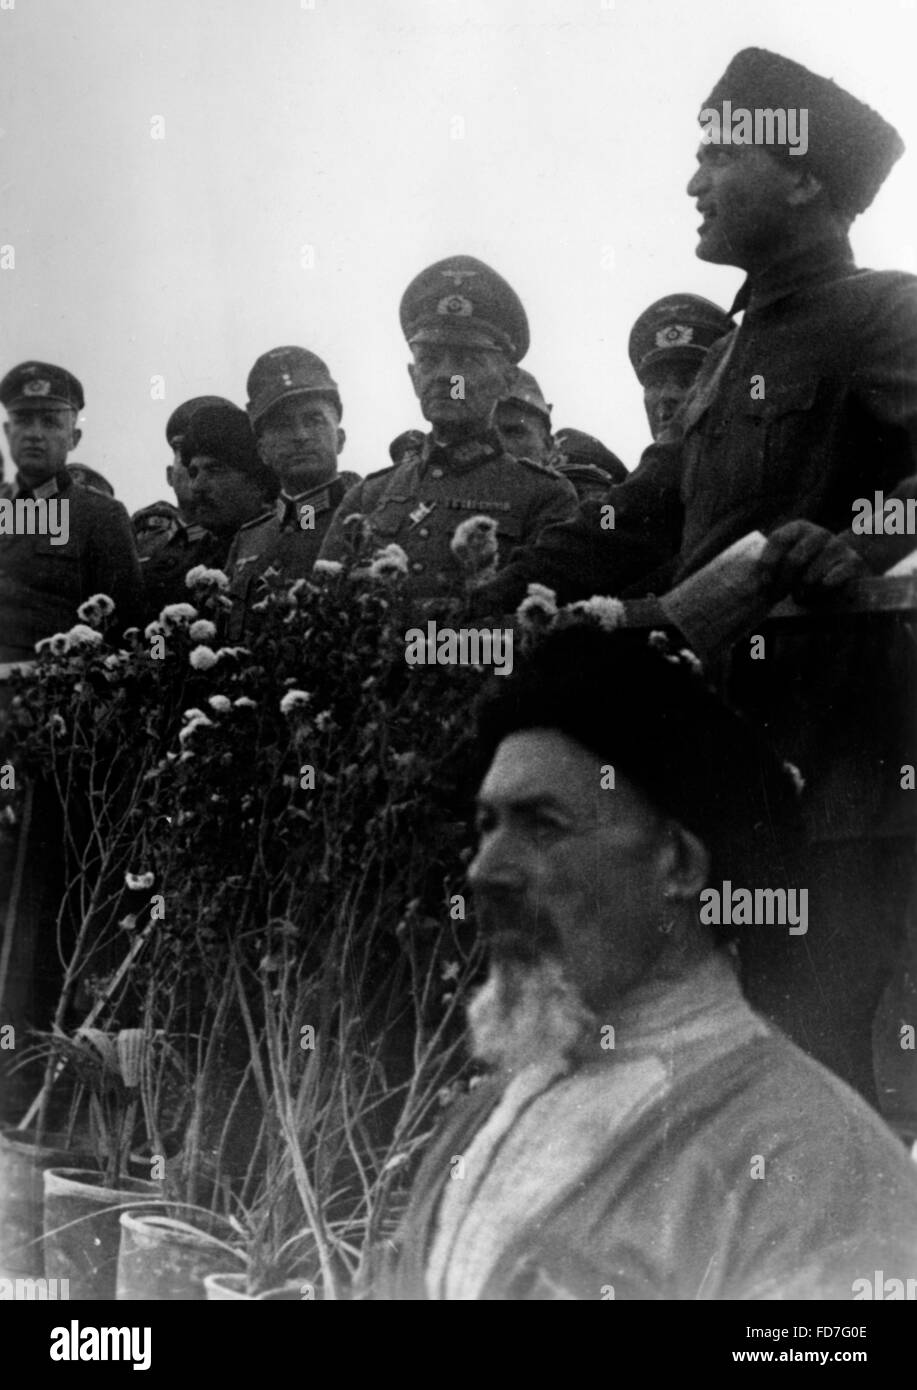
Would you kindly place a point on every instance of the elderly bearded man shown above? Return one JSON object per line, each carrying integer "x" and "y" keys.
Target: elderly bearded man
{"x": 644, "y": 1133}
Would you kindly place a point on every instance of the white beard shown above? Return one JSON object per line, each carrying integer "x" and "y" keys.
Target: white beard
{"x": 528, "y": 1013}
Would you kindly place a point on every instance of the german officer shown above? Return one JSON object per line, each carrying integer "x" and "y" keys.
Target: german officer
{"x": 523, "y": 422}
{"x": 45, "y": 577}
{"x": 295, "y": 412}
{"x": 667, "y": 345}
{"x": 467, "y": 329}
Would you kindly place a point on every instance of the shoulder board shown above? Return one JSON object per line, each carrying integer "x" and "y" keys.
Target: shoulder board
{"x": 259, "y": 520}
{"x": 543, "y": 468}
{"x": 379, "y": 472}
{"x": 162, "y": 508}
{"x": 349, "y": 479}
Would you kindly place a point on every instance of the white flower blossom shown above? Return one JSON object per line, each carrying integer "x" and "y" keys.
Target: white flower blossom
{"x": 203, "y": 630}
{"x": 220, "y": 703}
{"x": 322, "y": 720}
{"x": 154, "y": 629}
{"x": 191, "y": 728}
{"x": 475, "y": 540}
{"x": 177, "y": 615}
{"x": 202, "y": 658}
{"x": 82, "y": 636}
{"x": 608, "y": 612}
{"x": 193, "y": 713}
{"x": 796, "y": 777}
{"x": 244, "y": 702}
{"x": 200, "y": 577}
{"x": 95, "y": 608}
{"x": 294, "y": 700}
{"x": 538, "y": 608}
{"x": 388, "y": 562}
{"x": 56, "y": 645}
{"x": 324, "y": 567}
{"x": 137, "y": 882}
{"x": 57, "y": 726}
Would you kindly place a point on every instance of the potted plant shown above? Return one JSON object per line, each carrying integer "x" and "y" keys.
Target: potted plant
{"x": 82, "y": 1205}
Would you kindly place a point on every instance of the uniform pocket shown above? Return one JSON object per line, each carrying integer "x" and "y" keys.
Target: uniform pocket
{"x": 757, "y": 451}
{"x": 392, "y": 516}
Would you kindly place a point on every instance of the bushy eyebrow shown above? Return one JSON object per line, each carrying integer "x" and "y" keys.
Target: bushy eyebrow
{"x": 538, "y": 801}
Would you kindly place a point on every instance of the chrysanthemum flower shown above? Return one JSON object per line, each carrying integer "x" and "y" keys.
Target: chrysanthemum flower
{"x": 294, "y": 700}
{"x": 202, "y": 658}
{"x": 388, "y": 563}
{"x": 200, "y": 577}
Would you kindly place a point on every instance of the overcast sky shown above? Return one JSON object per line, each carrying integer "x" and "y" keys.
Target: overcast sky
{"x": 333, "y": 126}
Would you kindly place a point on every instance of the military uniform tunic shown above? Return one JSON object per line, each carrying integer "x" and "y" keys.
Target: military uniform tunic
{"x": 419, "y": 502}
{"x": 42, "y": 583}
{"x": 163, "y": 568}
{"x": 808, "y": 405}
{"x": 280, "y": 540}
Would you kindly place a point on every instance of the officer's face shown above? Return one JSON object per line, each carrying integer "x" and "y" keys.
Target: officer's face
{"x": 180, "y": 482}
{"x": 223, "y": 498}
{"x": 40, "y": 440}
{"x": 665, "y": 386}
{"x": 745, "y": 198}
{"x": 523, "y": 433}
{"x": 300, "y": 441}
{"x": 567, "y": 869}
{"x": 457, "y": 384}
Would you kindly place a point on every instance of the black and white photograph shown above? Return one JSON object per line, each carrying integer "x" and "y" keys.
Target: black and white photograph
{"x": 458, "y": 664}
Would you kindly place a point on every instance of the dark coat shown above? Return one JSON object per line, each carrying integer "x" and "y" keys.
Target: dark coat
{"x": 42, "y": 584}
{"x": 836, "y": 351}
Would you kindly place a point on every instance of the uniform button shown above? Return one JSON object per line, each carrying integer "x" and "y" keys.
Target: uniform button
{"x": 423, "y": 532}
{"x": 417, "y": 566}
{"x": 436, "y": 472}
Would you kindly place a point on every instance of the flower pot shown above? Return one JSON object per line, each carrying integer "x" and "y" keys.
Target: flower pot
{"x": 22, "y": 1163}
{"x": 223, "y": 1288}
{"x": 161, "y": 1260}
{"x": 285, "y": 1293}
{"x": 81, "y": 1228}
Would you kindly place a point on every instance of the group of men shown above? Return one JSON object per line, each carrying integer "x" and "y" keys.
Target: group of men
{"x": 261, "y": 488}
{"x": 776, "y": 426}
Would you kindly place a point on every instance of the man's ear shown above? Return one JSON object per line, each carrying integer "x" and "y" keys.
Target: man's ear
{"x": 342, "y": 438}
{"x": 412, "y": 373}
{"x": 75, "y": 436}
{"x": 805, "y": 188}
{"x": 687, "y": 862}
{"x": 170, "y": 474}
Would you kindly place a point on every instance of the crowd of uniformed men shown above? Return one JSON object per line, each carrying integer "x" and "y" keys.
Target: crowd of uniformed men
{"x": 775, "y": 423}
